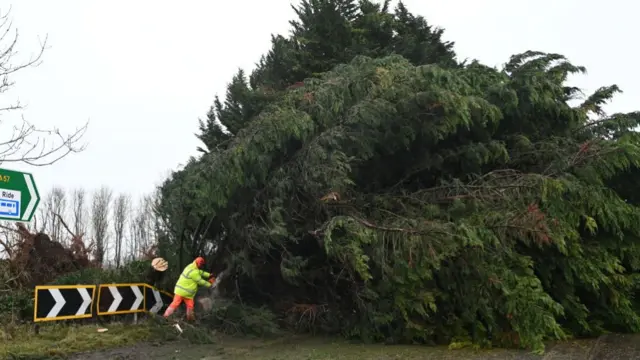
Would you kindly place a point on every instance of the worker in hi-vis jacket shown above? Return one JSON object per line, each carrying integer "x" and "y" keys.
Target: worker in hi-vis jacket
{"x": 187, "y": 286}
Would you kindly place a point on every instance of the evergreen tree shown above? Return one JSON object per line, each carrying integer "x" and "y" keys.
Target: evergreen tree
{"x": 326, "y": 33}
{"x": 235, "y": 112}
{"x": 212, "y": 132}
{"x": 418, "y": 42}
{"x": 419, "y": 202}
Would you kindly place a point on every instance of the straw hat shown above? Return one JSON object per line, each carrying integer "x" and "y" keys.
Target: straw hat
{"x": 159, "y": 264}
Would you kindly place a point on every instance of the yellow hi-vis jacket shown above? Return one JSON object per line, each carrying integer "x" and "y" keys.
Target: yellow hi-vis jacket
{"x": 191, "y": 277}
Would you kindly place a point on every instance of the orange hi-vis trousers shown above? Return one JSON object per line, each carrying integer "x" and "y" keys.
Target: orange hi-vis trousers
{"x": 177, "y": 300}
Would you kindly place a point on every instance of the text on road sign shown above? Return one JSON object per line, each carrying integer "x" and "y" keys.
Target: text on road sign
{"x": 10, "y": 203}
{"x": 11, "y": 195}
{"x": 19, "y": 196}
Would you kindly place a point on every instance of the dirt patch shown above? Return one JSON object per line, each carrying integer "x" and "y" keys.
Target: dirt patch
{"x": 176, "y": 350}
{"x": 609, "y": 347}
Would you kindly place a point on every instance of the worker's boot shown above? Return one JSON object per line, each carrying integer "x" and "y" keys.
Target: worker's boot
{"x": 168, "y": 312}
{"x": 191, "y": 316}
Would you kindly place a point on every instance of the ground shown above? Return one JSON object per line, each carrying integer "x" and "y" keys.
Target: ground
{"x": 133, "y": 342}
{"x": 610, "y": 347}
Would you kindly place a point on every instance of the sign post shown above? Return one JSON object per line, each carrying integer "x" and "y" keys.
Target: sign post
{"x": 18, "y": 196}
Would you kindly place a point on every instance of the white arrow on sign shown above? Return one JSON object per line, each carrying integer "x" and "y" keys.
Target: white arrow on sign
{"x": 34, "y": 197}
{"x": 158, "y": 305}
{"x": 60, "y": 301}
{"x": 86, "y": 301}
{"x": 117, "y": 299}
{"x": 139, "y": 298}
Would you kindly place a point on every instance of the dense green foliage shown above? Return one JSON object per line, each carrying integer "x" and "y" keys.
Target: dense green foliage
{"x": 408, "y": 197}
{"x": 132, "y": 272}
{"x": 15, "y": 303}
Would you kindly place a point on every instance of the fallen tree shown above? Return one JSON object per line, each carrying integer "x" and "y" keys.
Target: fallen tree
{"x": 444, "y": 219}
{"x": 396, "y": 201}
{"x": 35, "y": 259}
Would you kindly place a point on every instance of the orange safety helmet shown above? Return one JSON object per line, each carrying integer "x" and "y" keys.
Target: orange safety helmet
{"x": 199, "y": 261}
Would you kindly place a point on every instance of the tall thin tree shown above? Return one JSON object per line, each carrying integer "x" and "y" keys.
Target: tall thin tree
{"x": 100, "y": 222}
{"x": 120, "y": 215}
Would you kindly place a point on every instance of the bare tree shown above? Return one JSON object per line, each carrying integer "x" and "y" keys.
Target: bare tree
{"x": 78, "y": 203}
{"x": 56, "y": 207}
{"x": 24, "y": 142}
{"x": 134, "y": 241}
{"x": 143, "y": 227}
{"x": 8, "y": 240}
{"x": 33, "y": 226}
{"x": 43, "y": 216}
{"x": 138, "y": 229}
{"x": 120, "y": 214}
{"x": 54, "y": 202}
{"x": 100, "y": 221}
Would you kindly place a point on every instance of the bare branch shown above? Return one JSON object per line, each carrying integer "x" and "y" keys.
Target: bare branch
{"x": 7, "y": 244}
{"x": 78, "y": 205}
{"x": 64, "y": 224}
{"x": 120, "y": 215}
{"x": 55, "y": 203}
{"x": 100, "y": 221}
{"x": 25, "y": 143}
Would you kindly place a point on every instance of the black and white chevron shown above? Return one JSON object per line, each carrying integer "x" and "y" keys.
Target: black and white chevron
{"x": 156, "y": 301}
{"x": 120, "y": 299}
{"x": 64, "y": 302}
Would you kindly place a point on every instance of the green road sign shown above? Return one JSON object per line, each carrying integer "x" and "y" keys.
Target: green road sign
{"x": 18, "y": 196}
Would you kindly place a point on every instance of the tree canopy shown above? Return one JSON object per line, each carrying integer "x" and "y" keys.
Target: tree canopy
{"x": 364, "y": 178}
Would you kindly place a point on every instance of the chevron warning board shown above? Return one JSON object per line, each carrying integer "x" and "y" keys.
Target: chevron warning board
{"x": 63, "y": 302}
{"x": 156, "y": 301}
{"x": 116, "y": 299}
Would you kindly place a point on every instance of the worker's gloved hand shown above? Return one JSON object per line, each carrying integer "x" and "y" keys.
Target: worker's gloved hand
{"x": 212, "y": 280}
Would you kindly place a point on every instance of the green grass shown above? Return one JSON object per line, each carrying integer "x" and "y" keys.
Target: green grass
{"x": 154, "y": 340}
{"x": 327, "y": 349}
{"x": 61, "y": 340}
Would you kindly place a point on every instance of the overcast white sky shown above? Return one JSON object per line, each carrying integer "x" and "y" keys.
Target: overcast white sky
{"x": 143, "y": 71}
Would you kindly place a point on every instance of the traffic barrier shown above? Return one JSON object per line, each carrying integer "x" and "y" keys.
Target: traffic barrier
{"x": 63, "y": 302}
{"x": 115, "y": 299}
{"x": 156, "y": 300}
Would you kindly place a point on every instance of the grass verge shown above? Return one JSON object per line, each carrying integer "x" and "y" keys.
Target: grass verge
{"x": 308, "y": 348}
{"x": 153, "y": 340}
{"x": 58, "y": 341}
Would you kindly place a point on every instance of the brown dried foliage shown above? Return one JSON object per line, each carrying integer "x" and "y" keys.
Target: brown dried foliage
{"x": 35, "y": 259}
{"x": 305, "y": 315}
{"x": 149, "y": 252}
